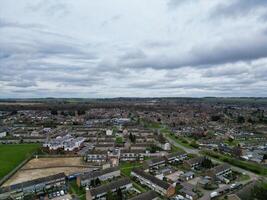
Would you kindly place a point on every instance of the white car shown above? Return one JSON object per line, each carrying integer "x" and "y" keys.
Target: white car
{"x": 62, "y": 193}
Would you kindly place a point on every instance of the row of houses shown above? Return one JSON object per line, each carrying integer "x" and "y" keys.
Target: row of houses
{"x": 38, "y": 186}
{"x": 105, "y": 174}
{"x": 154, "y": 183}
{"x": 162, "y": 161}
{"x": 67, "y": 142}
{"x": 100, "y": 156}
{"x": 101, "y": 191}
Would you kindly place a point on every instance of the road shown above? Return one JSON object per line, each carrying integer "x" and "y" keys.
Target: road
{"x": 206, "y": 195}
{"x": 197, "y": 152}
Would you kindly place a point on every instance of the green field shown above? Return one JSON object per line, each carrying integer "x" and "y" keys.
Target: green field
{"x": 11, "y": 155}
{"x": 250, "y": 166}
{"x": 127, "y": 167}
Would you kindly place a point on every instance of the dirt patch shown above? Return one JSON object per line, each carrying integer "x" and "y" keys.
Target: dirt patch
{"x": 53, "y": 162}
{"x": 41, "y": 167}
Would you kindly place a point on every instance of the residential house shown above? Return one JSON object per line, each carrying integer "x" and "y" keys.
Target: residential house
{"x": 155, "y": 163}
{"x": 219, "y": 172}
{"x": 150, "y": 195}
{"x": 187, "y": 176}
{"x": 194, "y": 163}
{"x": 105, "y": 174}
{"x": 188, "y": 191}
{"x": 96, "y": 156}
{"x": 154, "y": 183}
{"x": 36, "y": 187}
{"x": 101, "y": 191}
{"x": 131, "y": 155}
{"x": 176, "y": 157}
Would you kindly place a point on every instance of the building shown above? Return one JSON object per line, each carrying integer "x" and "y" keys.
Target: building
{"x": 154, "y": 183}
{"x": 188, "y": 191}
{"x": 105, "y": 174}
{"x": 131, "y": 155}
{"x": 176, "y": 157}
{"x": 194, "y": 163}
{"x": 101, "y": 191}
{"x": 155, "y": 163}
{"x": 96, "y": 156}
{"x": 150, "y": 195}
{"x": 109, "y": 132}
{"x": 187, "y": 176}
{"x": 219, "y": 172}
{"x": 34, "y": 187}
{"x": 2, "y": 133}
{"x": 67, "y": 143}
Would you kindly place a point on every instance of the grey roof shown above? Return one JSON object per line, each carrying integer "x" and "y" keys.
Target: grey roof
{"x": 188, "y": 174}
{"x": 145, "y": 196}
{"x": 152, "y": 179}
{"x": 196, "y": 160}
{"x": 95, "y": 174}
{"x": 189, "y": 192}
{"x": 155, "y": 161}
{"x": 220, "y": 168}
{"x": 110, "y": 186}
{"x": 174, "y": 155}
{"x": 32, "y": 182}
{"x": 132, "y": 151}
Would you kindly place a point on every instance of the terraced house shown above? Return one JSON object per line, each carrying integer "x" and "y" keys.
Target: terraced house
{"x": 99, "y": 192}
{"x": 154, "y": 183}
{"x": 109, "y": 173}
{"x": 38, "y": 186}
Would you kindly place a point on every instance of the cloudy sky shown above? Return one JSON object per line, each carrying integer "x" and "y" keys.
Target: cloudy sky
{"x": 143, "y": 48}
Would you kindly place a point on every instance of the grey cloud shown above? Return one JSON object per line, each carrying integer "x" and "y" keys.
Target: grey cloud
{"x": 57, "y": 8}
{"x": 22, "y": 83}
{"x": 226, "y": 71}
{"x": 239, "y": 8}
{"x": 158, "y": 44}
{"x": 230, "y": 51}
{"x": 133, "y": 55}
{"x": 111, "y": 20}
{"x": 172, "y": 4}
{"x": 4, "y": 23}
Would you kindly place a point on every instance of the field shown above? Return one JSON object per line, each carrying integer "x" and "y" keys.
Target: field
{"x": 12, "y": 155}
{"x": 253, "y": 167}
{"x": 127, "y": 167}
{"x": 41, "y": 167}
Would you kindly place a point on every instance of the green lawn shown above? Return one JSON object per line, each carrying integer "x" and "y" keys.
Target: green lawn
{"x": 182, "y": 141}
{"x": 11, "y": 155}
{"x": 126, "y": 167}
{"x": 250, "y": 166}
{"x": 74, "y": 189}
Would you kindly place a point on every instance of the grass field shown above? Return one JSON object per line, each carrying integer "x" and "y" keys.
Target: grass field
{"x": 250, "y": 166}
{"x": 11, "y": 155}
{"x": 126, "y": 167}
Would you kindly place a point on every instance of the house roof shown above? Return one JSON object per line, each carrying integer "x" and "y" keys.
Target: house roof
{"x": 220, "y": 168}
{"x": 32, "y": 182}
{"x": 132, "y": 151}
{"x": 95, "y": 174}
{"x": 196, "y": 160}
{"x": 152, "y": 179}
{"x": 188, "y": 174}
{"x": 155, "y": 161}
{"x": 145, "y": 196}
{"x": 110, "y": 186}
{"x": 174, "y": 155}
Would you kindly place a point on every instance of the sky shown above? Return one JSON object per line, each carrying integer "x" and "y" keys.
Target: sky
{"x": 126, "y": 48}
